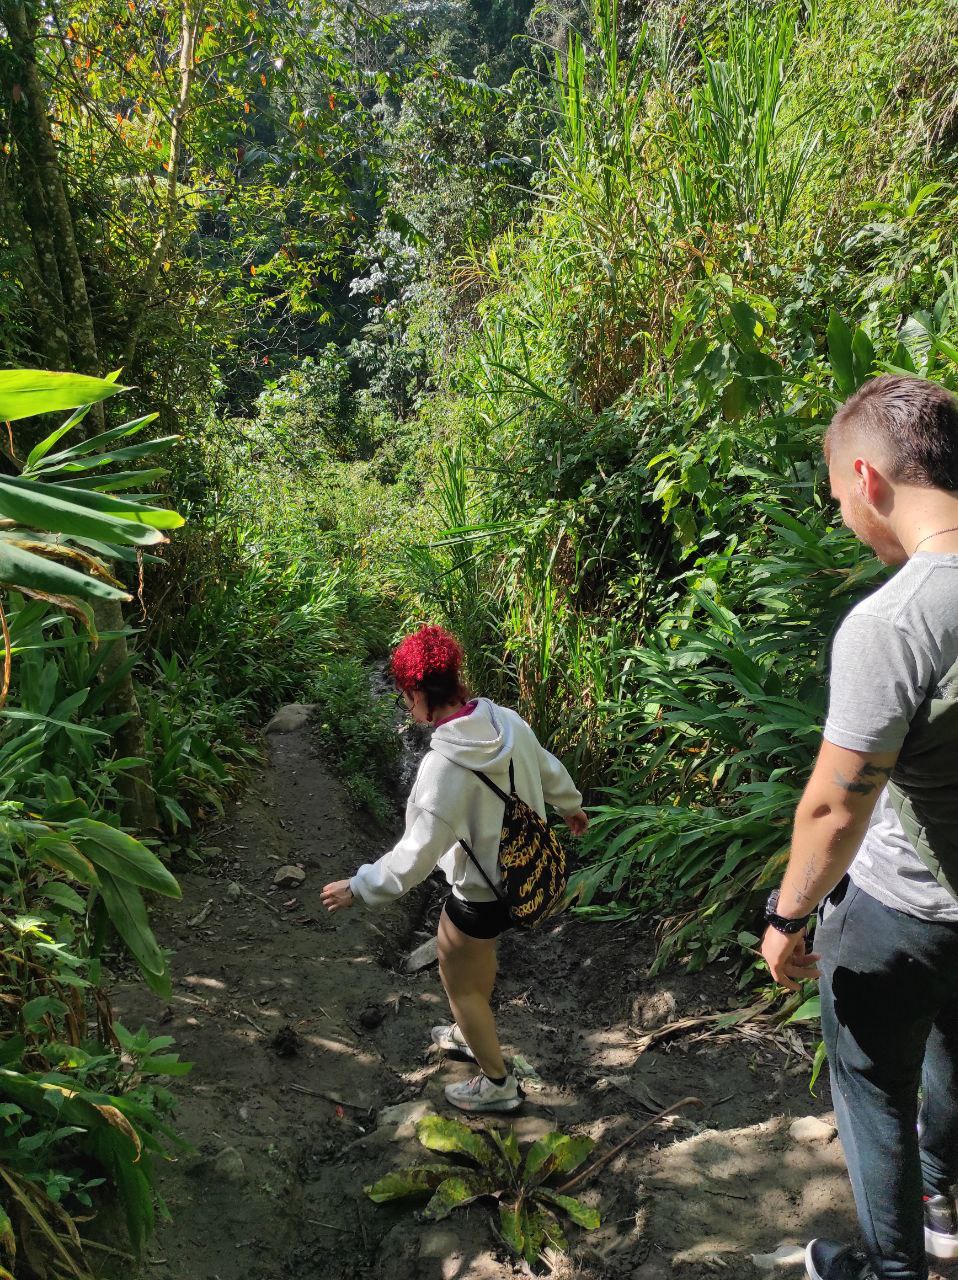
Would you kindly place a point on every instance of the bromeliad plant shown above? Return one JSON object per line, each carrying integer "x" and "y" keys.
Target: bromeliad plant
{"x": 527, "y": 1207}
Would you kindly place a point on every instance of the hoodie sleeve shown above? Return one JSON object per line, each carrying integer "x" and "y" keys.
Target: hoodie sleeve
{"x": 558, "y": 789}
{"x": 423, "y": 843}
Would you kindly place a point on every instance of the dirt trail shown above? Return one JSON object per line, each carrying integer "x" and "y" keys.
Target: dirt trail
{"x": 303, "y": 1027}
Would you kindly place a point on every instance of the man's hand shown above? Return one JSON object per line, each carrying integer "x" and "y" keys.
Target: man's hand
{"x": 578, "y": 822}
{"x": 787, "y": 958}
{"x": 337, "y": 896}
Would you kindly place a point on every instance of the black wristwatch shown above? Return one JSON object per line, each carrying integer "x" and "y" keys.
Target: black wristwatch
{"x": 782, "y": 923}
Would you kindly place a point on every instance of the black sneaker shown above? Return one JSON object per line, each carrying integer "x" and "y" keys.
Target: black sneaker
{"x": 941, "y": 1225}
{"x": 826, "y": 1260}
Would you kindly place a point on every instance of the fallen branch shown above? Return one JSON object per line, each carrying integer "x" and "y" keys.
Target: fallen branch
{"x": 594, "y": 1168}
{"x": 201, "y": 914}
{"x": 330, "y": 1097}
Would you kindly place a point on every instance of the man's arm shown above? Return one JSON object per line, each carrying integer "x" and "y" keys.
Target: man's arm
{"x": 830, "y": 823}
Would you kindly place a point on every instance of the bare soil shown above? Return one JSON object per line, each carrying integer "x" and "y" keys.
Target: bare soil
{"x": 302, "y": 1027}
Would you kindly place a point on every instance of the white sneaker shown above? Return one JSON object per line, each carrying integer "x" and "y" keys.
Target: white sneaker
{"x": 480, "y": 1094}
{"x": 451, "y": 1040}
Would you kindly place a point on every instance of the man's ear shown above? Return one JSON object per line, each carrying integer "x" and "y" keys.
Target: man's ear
{"x": 872, "y": 484}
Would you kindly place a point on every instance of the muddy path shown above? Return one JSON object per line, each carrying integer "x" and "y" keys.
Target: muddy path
{"x": 303, "y": 1028}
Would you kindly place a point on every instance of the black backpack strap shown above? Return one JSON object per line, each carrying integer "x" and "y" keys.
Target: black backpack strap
{"x": 475, "y": 863}
{"x": 491, "y": 785}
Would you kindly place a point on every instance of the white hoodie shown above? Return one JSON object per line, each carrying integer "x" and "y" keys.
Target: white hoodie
{"x": 448, "y": 803}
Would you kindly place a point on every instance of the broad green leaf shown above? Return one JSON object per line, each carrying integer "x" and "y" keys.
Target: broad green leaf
{"x": 436, "y": 1133}
{"x": 128, "y": 508}
{"x": 840, "y": 353}
{"x": 541, "y": 1158}
{"x": 35, "y": 1010}
{"x": 809, "y": 1011}
{"x": 127, "y": 912}
{"x": 64, "y": 896}
{"x": 555, "y": 1153}
{"x": 863, "y": 357}
{"x": 98, "y": 443}
{"x": 21, "y": 570}
{"x": 41, "y": 506}
{"x": 457, "y": 1190}
{"x": 43, "y": 448}
{"x": 118, "y": 481}
{"x": 27, "y": 392}
{"x": 508, "y": 1146}
{"x": 128, "y": 453}
{"x": 524, "y": 1229}
{"x": 407, "y": 1182}
{"x": 11, "y": 1050}
{"x": 16, "y": 713}
{"x": 65, "y": 856}
{"x": 511, "y": 1225}
{"x": 583, "y": 1214}
{"x": 125, "y": 858}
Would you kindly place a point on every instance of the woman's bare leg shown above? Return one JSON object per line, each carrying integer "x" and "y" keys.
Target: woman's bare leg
{"x": 467, "y": 967}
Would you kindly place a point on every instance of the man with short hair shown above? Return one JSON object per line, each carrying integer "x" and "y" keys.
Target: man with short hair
{"x": 875, "y": 839}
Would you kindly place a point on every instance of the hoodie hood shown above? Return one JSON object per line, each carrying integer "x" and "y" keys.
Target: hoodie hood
{"x": 482, "y": 740}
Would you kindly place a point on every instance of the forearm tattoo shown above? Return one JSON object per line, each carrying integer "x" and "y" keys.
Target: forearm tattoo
{"x": 802, "y": 896}
{"x": 869, "y": 778}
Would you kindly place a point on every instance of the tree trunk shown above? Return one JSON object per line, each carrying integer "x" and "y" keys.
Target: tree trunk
{"x": 41, "y": 155}
{"x": 189, "y": 26}
{"x": 52, "y": 220}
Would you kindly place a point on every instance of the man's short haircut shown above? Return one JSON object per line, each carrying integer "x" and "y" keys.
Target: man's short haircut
{"x": 916, "y": 421}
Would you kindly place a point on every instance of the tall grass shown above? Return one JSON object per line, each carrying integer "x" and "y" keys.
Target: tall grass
{"x": 633, "y": 532}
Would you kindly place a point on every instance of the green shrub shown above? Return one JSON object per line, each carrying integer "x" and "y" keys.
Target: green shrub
{"x": 356, "y": 733}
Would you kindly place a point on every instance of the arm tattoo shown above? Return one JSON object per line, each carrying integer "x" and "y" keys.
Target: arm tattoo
{"x": 869, "y": 778}
{"x": 802, "y": 895}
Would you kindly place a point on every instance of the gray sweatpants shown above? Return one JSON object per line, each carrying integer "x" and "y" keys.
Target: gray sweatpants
{"x": 890, "y": 1020}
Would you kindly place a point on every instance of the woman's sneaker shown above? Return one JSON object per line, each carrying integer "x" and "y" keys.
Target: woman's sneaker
{"x": 826, "y": 1260}
{"x": 480, "y": 1094}
{"x": 941, "y": 1226}
{"x": 451, "y": 1040}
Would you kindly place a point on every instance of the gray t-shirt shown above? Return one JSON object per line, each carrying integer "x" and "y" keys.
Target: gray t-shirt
{"x": 890, "y": 654}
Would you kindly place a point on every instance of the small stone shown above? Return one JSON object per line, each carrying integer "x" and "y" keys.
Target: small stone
{"x": 811, "y": 1129}
{"x": 288, "y": 719}
{"x": 786, "y": 1255}
{"x": 654, "y": 1010}
{"x": 244, "y": 1113}
{"x": 289, "y": 877}
{"x": 422, "y": 957}
{"x": 234, "y": 890}
{"x": 439, "y": 1242}
{"x": 405, "y": 1116}
{"x": 229, "y": 1165}
{"x": 706, "y": 1261}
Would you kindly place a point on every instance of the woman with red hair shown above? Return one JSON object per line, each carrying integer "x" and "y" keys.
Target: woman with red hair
{"x": 449, "y": 806}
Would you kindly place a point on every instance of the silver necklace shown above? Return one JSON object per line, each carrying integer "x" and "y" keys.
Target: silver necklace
{"x": 928, "y": 536}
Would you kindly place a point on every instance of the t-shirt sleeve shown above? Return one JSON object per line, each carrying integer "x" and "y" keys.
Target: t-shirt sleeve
{"x": 879, "y": 678}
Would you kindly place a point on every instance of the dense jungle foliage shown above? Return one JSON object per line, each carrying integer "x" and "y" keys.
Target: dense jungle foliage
{"x": 525, "y": 320}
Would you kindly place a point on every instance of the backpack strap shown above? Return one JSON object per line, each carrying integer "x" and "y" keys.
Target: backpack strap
{"x": 476, "y": 864}
{"x": 491, "y": 785}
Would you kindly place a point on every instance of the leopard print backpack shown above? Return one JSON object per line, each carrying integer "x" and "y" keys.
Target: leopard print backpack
{"x": 532, "y": 862}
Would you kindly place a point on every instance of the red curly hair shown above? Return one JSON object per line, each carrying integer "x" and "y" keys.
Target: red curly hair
{"x": 428, "y": 656}
{"x": 430, "y": 660}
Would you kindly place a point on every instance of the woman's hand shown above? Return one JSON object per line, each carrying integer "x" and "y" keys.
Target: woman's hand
{"x": 337, "y": 896}
{"x": 578, "y": 822}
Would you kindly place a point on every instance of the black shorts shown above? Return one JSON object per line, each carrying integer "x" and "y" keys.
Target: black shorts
{"x": 478, "y": 919}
